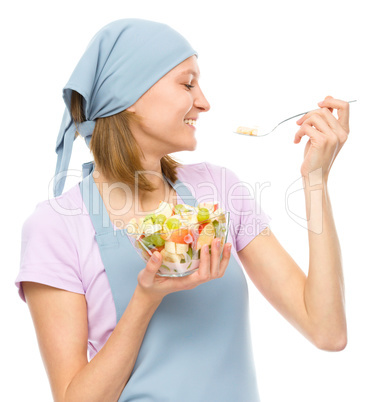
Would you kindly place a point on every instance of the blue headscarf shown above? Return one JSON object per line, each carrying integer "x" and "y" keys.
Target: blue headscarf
{"x": 121, "y": 62}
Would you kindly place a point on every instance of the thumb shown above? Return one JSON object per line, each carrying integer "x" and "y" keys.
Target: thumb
{"x": 322, "y": 103}
{"x": 155, "y": 262}
{"x": 147, "y": 275}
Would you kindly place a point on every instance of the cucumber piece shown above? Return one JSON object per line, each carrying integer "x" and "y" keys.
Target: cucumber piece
{"x": 164, "y": 266}
{"x": 149, "y": 217}
{"x": 157, "y": 240}
{"x": 160, "y": 219}
{"x": 147, "y": 241}
{"x": 173, "y": 223}
{"x": 203, "y": 214}
{"x": 182, "y": 261}
{"x": 179, "y": 207}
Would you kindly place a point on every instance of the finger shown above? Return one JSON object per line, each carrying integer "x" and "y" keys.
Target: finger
{"x": 215, "y": 258}
{"x": 202, "y": 274}
{"x": 227, "y": 250}
{"x": 329, "y": 108}
{"x": 190, "y": 281}
{"x": 342, "y": 108}
{"x": 320, "y": 124}
{"x": 204, "y": 267}
{"x": 315, "y": 135}
{"x": 326, "y": 115}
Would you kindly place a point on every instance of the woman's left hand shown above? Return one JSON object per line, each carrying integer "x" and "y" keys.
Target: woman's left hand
{"x": 327, "y": 135}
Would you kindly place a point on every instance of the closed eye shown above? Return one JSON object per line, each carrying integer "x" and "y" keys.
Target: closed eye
{"x": 189, "y": 86}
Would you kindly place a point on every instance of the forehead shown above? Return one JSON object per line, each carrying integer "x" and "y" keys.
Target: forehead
{"x": 188, "y": 71}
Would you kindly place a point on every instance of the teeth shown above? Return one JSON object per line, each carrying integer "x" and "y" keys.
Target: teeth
{"x": 189, "y": 121}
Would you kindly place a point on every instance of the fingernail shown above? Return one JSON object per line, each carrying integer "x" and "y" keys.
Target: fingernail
{"x": 206, "y": 249}
{"x": 155, "y": 258}
{"x": 320, "y": 103}
{"x": 218, "y": 244}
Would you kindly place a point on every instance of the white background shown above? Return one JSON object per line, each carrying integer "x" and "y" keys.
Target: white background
{"x": 260, "y": 62}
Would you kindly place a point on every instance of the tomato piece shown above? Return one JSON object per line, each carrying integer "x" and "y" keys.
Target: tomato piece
{"x": 177, "y": 236}
{"x": 202, "y": 226}
{"x": 216, "y": 206}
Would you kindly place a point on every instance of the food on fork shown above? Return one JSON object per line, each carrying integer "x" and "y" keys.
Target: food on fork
{"x": 247, "y": 130}
{"x": 178, "y": 232}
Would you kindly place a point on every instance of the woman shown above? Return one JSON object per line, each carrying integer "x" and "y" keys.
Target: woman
{"x": 153, "y": 338}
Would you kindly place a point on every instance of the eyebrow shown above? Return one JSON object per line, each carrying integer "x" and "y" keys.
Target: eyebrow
{"x": 190, "y": 71}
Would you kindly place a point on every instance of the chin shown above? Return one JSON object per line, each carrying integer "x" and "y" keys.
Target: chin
{"x": 186, "y": 147}
{"x": 195, "y": 146}
{"x": 192, "y": 146}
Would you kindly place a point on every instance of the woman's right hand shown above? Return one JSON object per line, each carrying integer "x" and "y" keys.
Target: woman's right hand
{"x": 211, "y": 267}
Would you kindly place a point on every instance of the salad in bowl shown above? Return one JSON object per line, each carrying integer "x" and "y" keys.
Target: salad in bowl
{"x": 178, "y": 232}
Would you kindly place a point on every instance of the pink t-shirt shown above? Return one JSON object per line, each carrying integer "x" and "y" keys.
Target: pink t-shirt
{"x": 59, "y": 248}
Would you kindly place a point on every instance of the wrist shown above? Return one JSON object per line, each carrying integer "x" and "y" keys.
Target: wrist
{"x": 314, "y": 180}
{"x": 146, "y": 298}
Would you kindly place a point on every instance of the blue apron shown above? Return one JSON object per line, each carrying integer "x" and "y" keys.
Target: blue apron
{"x": 197, "y": 346}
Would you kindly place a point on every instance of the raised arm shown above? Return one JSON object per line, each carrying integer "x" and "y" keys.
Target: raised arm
{"x": 314, "y": 304}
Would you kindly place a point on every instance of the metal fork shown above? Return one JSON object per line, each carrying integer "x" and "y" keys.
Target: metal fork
{"x": 297, "y": 115}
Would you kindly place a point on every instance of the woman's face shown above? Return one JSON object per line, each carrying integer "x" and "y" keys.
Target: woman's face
{"x": 165, "y": 106}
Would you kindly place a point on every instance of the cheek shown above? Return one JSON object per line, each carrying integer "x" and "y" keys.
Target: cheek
{"x": 166, "y": 107}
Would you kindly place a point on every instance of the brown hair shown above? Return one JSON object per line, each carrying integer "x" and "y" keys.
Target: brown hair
{"x": 114, "y": 147}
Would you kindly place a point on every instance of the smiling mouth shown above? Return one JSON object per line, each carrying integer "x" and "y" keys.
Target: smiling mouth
{"x": 191, "y": 126}
{"x": 190, "y": 122}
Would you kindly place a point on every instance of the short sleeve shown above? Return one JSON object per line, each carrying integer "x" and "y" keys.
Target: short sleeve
{"x": 48, "y": 252}
{"x": 247, "y": 218}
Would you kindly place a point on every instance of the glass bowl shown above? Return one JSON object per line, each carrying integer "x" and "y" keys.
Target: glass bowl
{"x": 180, "y": 248}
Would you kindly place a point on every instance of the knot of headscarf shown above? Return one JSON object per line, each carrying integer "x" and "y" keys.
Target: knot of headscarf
{"x": 121, "y": 62}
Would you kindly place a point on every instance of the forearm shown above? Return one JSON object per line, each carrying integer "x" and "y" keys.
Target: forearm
{"x": 324, "y": 289}
{"x": 105, "y": 376}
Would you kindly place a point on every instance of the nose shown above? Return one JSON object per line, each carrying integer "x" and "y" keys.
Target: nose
{"x": 201, "y": 102}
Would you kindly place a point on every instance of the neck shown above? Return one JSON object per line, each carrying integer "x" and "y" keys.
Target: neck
{"x": 121, "y": 196}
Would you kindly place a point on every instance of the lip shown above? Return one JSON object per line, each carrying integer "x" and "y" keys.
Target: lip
{"x": 189, "y": 125}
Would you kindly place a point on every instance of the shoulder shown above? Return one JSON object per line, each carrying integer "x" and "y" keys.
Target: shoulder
{"x": 53, "y": 214}
{"x": 50, "y": 252}
{"x": 49, "y": 235}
